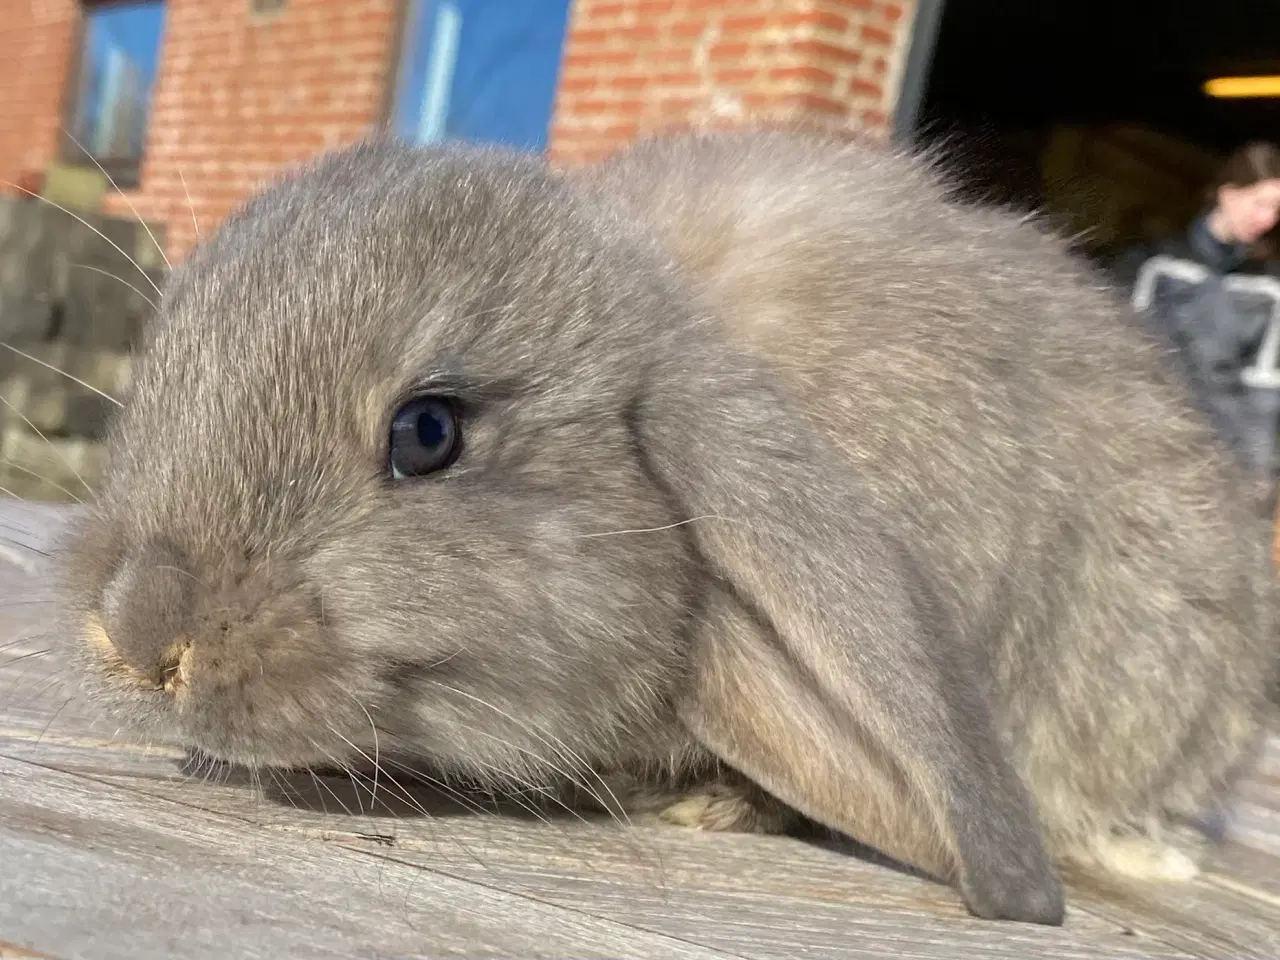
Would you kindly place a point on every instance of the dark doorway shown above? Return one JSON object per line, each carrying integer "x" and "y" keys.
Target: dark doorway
{"x": 1093, "y": 110}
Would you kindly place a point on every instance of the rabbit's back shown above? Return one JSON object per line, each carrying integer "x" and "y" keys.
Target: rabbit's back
{"x": 1078, "y": 516}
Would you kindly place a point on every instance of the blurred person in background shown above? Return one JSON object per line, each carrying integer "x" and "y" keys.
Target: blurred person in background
{"x": 1214, "y": 327}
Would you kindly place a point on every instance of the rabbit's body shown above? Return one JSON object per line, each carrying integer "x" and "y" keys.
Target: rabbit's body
{"x": 1027, "y": 439}
{"x": 787, "y": 462}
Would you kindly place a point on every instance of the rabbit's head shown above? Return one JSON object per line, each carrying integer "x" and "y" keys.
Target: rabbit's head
{"x": 378, "y": 471}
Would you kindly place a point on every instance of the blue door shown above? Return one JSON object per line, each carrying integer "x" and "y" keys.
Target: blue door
{"x": 119, "y": 53}
{"x": 482, "y": 70}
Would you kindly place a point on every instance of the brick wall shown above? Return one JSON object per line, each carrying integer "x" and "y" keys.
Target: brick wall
{"x": 241, "y": 95}
{"x": 634, "y": 66}
{"x": 36, "y": 42}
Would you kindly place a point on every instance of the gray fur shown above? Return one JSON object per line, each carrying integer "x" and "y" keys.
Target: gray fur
{"x": 774, "y": 456}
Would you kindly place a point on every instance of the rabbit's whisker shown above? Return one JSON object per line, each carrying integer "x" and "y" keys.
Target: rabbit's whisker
{"x": 354, "y": 776}
{"x": 57, "y": 206}
{"x": 42, "y": 478}
{"x": 377, "y": 766}
{"x": 190, "y": 206}
{"x": 107, "y": 273}
{"x": 557, "y": 745}
{"x": 61, "y": 372}
{"x": 665, "y": 526}
{"x": 115, "y": 186}
{"x": 377, "y": 769}
{"x": 41, "y": 435}
{"x": 320, "y": 780}
{"x": 442, "y": 785}
{"x": 530, "y": 785}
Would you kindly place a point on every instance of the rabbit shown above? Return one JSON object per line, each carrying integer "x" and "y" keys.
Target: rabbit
{"x": 750, "y": 468}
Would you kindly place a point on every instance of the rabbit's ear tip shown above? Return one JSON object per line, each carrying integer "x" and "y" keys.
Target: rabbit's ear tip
{"x": 1034, "y": 894}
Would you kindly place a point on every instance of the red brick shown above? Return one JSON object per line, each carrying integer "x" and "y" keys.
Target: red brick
{"x": 816, "y": 18}
{"x": 734, "y": 52}
{"x": 605, "y": 9}
{"x": 675, "y": 78}
{"x": 820, "y": 51}
{"x": 36, "y": 47}
{"x": 758, "y": 99}
{"x": 865, "y": 87}
{"x": 619, "y": 132}
{"x": 676, "y": 53}
{"x": 872, "y": 34}
{"x": 813, "y": 103}
{"x": 752, "y": 24}
{"x": 639, "y": 33}
{"x": 815, "y": 75}
{"x": 599, "y": 58}
{"x": 688, "y": 28}
{"x": 591, "y": 37}
{"x": 675, "y": 105}
{"x": 570, "y": 83}
{"x": 595, "y": 107}
{"x": 630, "y": 81}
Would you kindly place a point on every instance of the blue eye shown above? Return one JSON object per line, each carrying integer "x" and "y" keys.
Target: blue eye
{"x": 424, "y": 437}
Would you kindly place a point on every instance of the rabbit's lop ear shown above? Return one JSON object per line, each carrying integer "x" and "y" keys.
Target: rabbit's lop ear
{"x": 821, "y": 668}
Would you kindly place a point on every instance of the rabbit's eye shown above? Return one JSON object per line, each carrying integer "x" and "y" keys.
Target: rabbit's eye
{"x": 424, "y": 437}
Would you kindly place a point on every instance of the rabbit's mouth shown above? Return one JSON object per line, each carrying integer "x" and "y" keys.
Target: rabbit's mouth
{"x": 281, "y": 711}
{"x": 170, "y": 673}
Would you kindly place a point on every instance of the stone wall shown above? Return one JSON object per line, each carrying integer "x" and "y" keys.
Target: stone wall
{"x": 74, "y": 293}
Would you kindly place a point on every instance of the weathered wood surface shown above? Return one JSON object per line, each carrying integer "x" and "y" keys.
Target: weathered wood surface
{"x": 109, "y": 849}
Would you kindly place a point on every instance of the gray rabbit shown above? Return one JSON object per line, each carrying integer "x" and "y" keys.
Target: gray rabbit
{"x": 748, "y": 465}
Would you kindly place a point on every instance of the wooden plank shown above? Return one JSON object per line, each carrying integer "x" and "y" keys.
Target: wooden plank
{"x": 650, "y": 893}
{"x": 108, "y": 848}
{"x": 1209, "y": 918}
{"x": 97, "y": 870}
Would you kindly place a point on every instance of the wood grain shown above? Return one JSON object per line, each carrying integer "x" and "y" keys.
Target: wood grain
{"x": 110, "y": 848}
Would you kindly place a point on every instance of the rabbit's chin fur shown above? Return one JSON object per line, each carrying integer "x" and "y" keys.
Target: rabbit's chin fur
{"x": 788, "y": 489}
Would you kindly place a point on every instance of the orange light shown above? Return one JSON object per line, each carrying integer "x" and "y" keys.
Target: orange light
{"x": 1225, "y": 87}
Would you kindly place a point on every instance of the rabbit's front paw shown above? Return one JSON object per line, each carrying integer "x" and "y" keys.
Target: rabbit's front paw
{"x": 723, "y": 808}
{"x": 717, "y": 807}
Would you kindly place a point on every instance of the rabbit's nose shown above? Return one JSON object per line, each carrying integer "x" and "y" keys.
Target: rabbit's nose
{"x": 146, "y": 612}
